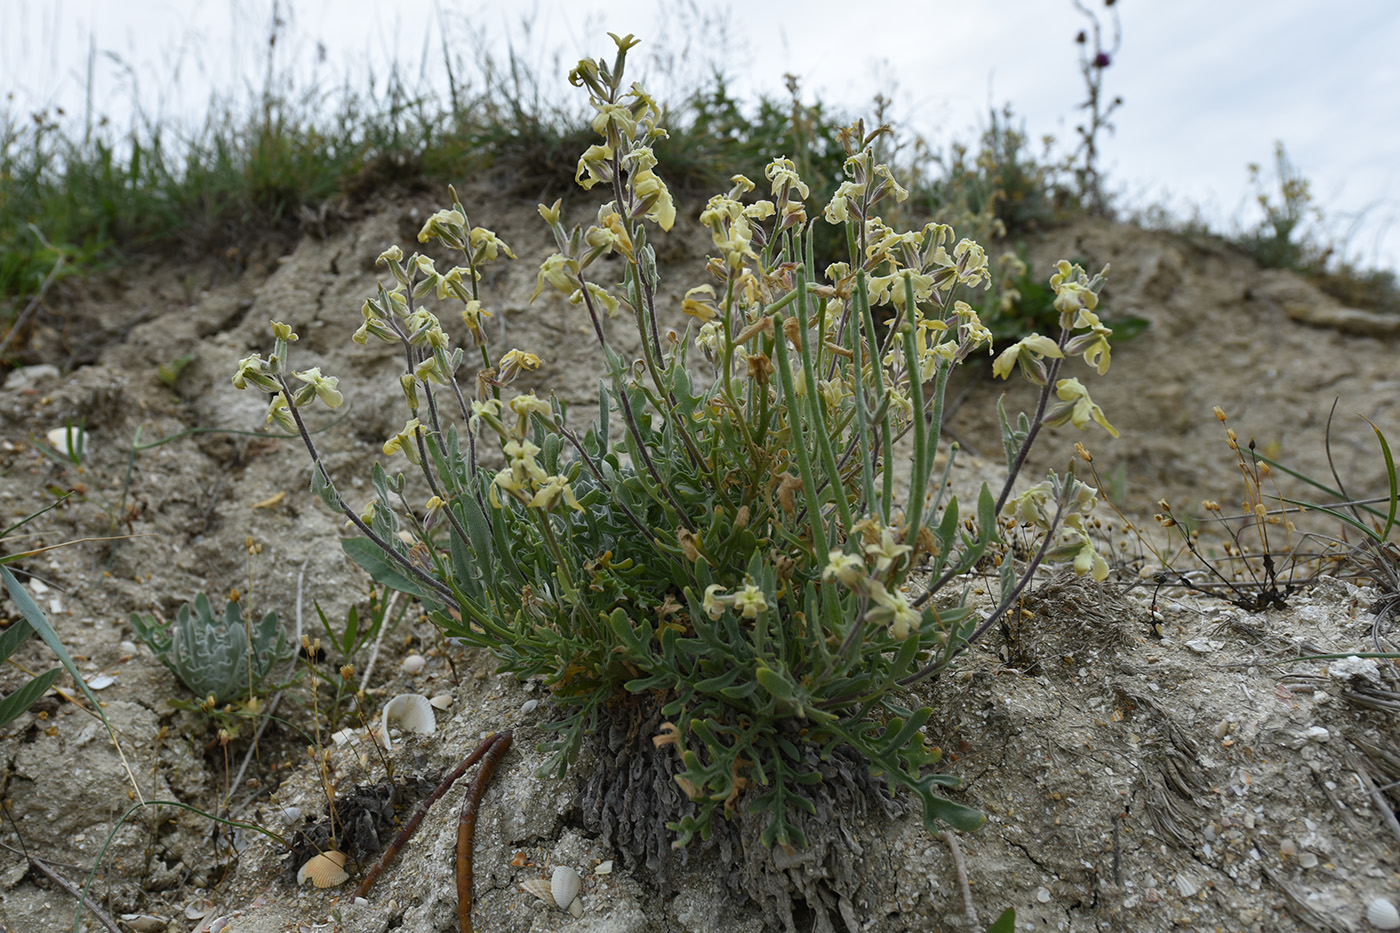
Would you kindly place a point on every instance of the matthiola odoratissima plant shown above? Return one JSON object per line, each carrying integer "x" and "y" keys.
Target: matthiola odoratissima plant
{"x": 751, "y": 554}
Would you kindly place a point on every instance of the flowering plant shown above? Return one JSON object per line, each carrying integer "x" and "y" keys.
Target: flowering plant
{"x": 746, "y": 550}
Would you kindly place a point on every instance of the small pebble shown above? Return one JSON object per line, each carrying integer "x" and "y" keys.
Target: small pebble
{"x": 1307, "y": 860}
{"x": 1042, "y": 895}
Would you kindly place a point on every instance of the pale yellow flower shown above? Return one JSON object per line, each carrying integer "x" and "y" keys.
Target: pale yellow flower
{"x": 847, "y": 568}
{"x": 552, "y": 491}
{"x": 404, "y": 442}
{"x": 1077, "y": 407}
{"x": 892, "y": 609}
{"x": 322, "y": 387}
{"x": 513, "y": 362}
{"x": 488, "y": 246}
{"x": 886, "y": 552}
{"x": 749, "y": 601}
{"x": 559, "y": 272}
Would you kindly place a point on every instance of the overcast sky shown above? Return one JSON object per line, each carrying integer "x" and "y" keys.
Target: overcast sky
{"x": 1208, "y": 85}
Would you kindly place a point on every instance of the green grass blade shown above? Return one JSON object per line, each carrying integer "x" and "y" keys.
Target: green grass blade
{"x": 1390, "y": 475}
{"x": 35, "y": 617}
{"x": 24, "y": 697}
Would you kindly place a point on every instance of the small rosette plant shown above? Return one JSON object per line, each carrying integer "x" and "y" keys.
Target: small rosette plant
{"x": 746, "y": 550}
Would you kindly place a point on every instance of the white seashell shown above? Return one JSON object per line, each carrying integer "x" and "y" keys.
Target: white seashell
{"x": 101, "y": 682}
{"x": 443, "y": 701}
{"x": 539, "y": 887}
{"x": 128, "y": 647}
{"x": 576, "y": 908}
{"x": 1186, "y": 884}
{"x": 291, "y": 814}
{"x": 1382, "y": 915}
{"x": 529, "y": 706}
{"x": 1308, "y": 860}
{"x": 59, "y": 438}
{"x": 343, "y": 736}
{"x": 217, "y": 925}
{"x": 604, "y": 868}
{"x": 145, "y": 923}
{"x": 197, "y": 910}
{"x": 413, "y": 663}
{"x": 411, "y": 712}
{"x": 325, "y": 870}
{"x": 564, "y": 886}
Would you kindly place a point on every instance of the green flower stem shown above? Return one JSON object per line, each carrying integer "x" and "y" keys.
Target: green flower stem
{"x": 573, "y": 440}
{"x": 922, "y": 467}
{"x": 626, "y": 406}
{"x": 727, "y": 368}
{"x": 638, "y": 445}
{"x": 1017, "y": 463}
{"x": 799, "y": 445}
{"x": 955, "y": 649}
{"x": 886, "y": 435}
{"x": 863, "y": 439}
{"x": 1037, "y": 423}
{"x": 644, "y": 310}
{"x": 422, "y": 442}
{"x": 856, "y": 632}
{"x": 552, "y": 542}
{"x": 388, "y": 549}
{"x": 818, "y": 405}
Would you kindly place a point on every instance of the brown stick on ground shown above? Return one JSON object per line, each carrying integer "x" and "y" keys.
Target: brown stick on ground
{"x": 412, "y": 824}
{"x": 466, "y": 827}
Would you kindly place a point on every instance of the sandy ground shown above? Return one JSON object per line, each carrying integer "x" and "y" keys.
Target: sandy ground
{"x": 1146, "y": 759}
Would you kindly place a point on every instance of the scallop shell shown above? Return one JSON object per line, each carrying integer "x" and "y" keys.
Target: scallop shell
{"x": 411, "y": 712}
{"x": 540, "y": 888}
{"x": 325, "y": 870}
{"x": 443, "y": 701}
{"x": 564, "y": 886}
{"x": 1382, "y": 915}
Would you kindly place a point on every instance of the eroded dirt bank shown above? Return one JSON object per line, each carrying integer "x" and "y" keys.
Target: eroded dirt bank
{"x": 1138, "y": 776}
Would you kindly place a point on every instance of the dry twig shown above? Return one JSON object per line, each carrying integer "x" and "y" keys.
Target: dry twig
{"x": 402, "y": 838}
{"x": 466, "y": 827}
